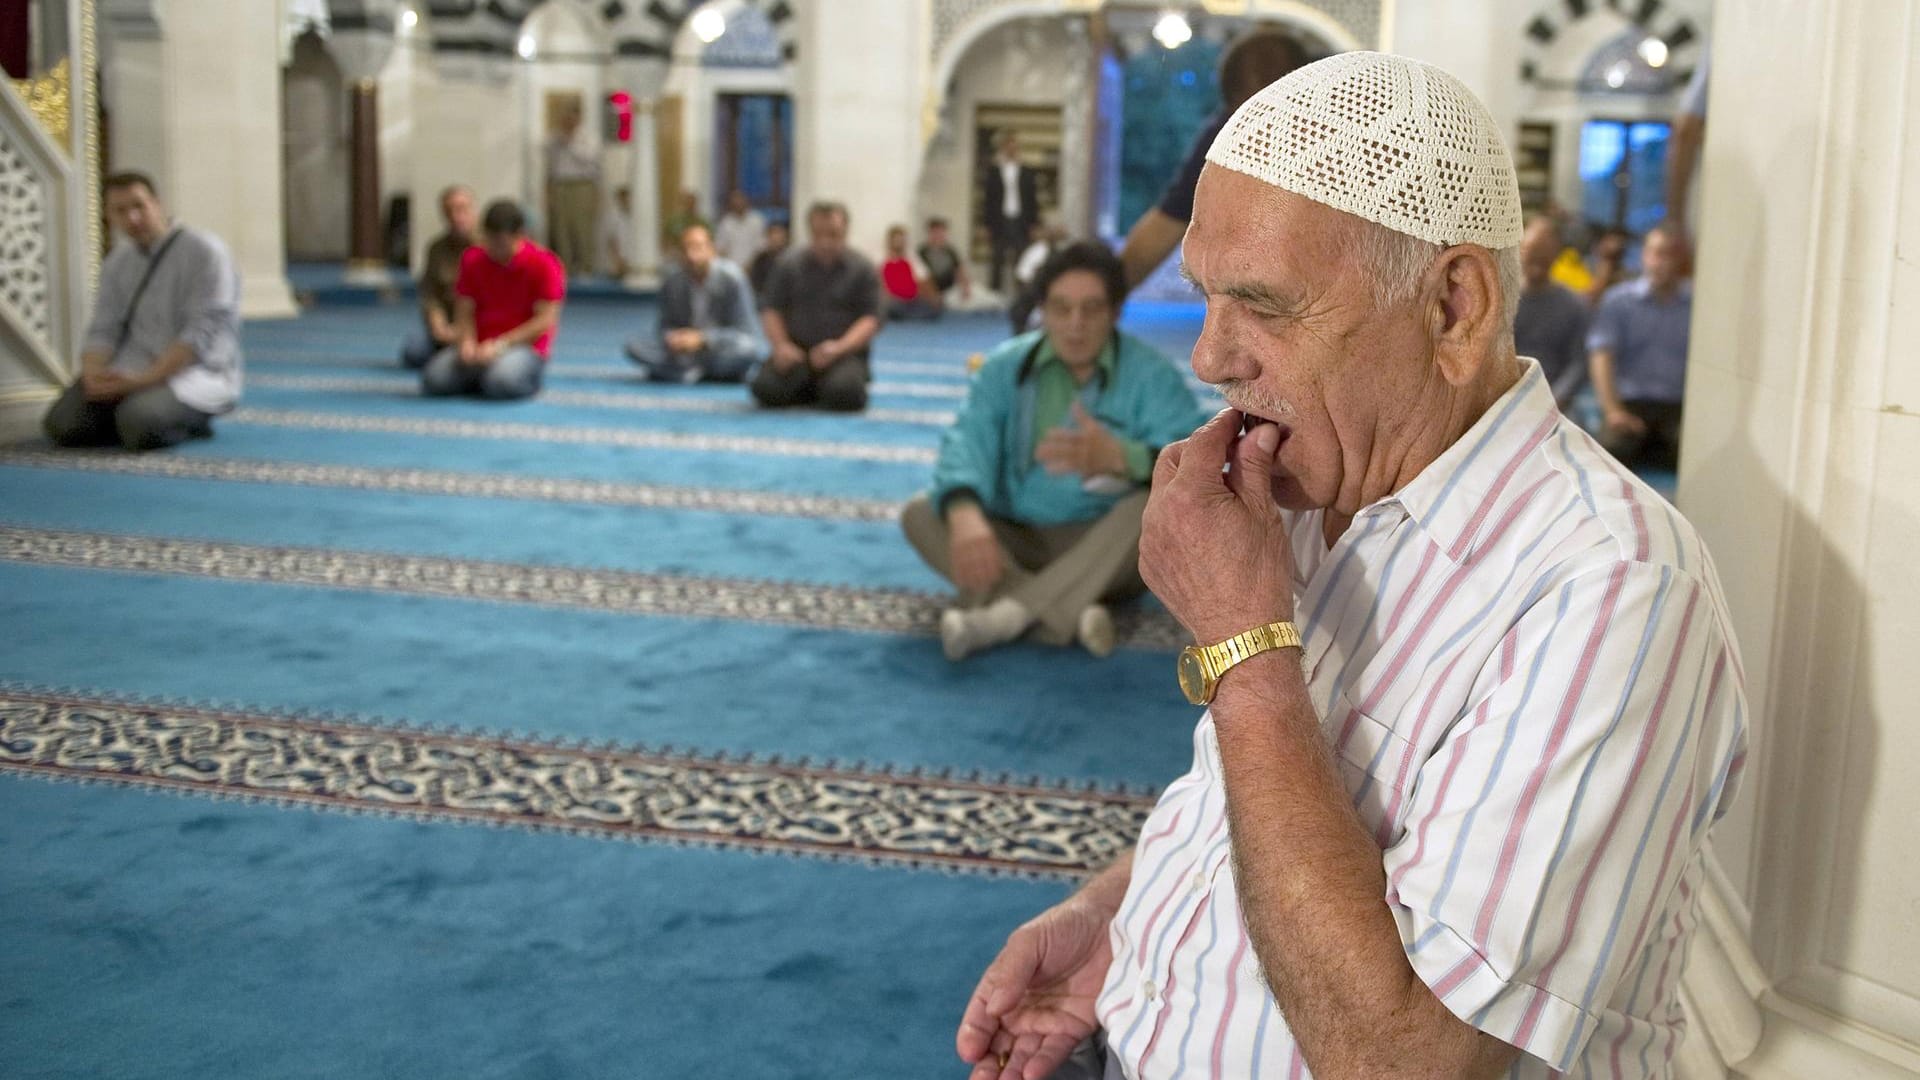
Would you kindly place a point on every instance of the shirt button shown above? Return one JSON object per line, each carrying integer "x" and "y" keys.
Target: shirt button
{"x": 1148, "y": 990}
{"x": 1199, "y": 882}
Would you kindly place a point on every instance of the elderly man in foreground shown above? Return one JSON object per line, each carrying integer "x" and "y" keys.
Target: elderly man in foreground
{"x": 1474, "y": 699}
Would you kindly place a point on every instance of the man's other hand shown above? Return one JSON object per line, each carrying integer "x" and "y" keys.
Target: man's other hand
{"x": 973, "y": 551}
{"x": 1084, "y": 447}
{"x": 106, "y": 386}
{"x": 1035, "y": 1002}
{"x": 787, "y": 356}
{"x": 823, "y": 355}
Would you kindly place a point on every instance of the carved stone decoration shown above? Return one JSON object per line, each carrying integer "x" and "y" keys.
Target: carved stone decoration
{"x": 50, "y": 102}
{"x": 25, "y": 269}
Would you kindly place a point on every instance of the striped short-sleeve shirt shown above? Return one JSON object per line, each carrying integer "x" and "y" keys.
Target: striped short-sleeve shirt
{"x": 1523, "y": 665}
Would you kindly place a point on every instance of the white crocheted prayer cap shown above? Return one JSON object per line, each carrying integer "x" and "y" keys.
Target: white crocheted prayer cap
{"x": 1385, "y": 138}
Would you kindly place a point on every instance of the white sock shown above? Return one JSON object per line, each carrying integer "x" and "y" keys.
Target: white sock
{"x": 965, "y": 632}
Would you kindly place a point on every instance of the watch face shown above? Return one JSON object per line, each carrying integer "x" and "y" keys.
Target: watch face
{"x": 1193, "y": 676}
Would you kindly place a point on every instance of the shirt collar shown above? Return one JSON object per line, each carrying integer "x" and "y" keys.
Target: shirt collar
{"x": 1104, "y": 361}
{"x": 1643, "y": 288}
{"x": 1452, "y": 498}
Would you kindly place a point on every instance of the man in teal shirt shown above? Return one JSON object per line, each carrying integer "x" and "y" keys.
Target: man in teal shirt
{"x": 1034, "y": 513}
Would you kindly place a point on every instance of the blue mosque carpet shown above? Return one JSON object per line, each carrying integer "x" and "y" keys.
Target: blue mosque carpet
{"x": 258, "y": 691}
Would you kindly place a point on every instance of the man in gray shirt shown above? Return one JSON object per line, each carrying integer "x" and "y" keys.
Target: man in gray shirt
{"x": 821, "y": 311}
{"x": 1637, "y": 354}
{"x": 162, "y": 352}
{"x": 707, "y": 322}
{"x": 1551, "y": 323}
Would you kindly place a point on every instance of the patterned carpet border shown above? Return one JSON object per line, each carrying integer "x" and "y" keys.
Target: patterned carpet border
{"x": 880, "y": 817}
{"x": 621, "y": 373}
{"x": 585, "y": 436}
{"x": 644, "y": 402}
{"x": 822, "y": 607}
{"x": 473, "y": 485}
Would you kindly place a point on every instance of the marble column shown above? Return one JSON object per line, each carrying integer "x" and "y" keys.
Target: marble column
{"x": 366, "y": 263}
{"x": 644, "y": 189}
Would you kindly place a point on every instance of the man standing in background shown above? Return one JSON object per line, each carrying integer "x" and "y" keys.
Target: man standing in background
{"x": 1251, "y": 61}
{"x": 741, "y": 232}
{"x": 1011, "y": 206}
{"x": 1638, "y": 356}
{"x": 573, "y": 194}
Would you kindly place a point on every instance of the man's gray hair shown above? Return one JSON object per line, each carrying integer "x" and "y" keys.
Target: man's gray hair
{"x": 1396, "y": 262}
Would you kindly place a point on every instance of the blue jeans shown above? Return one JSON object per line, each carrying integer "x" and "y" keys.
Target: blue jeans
{"x": 727, "y": 357}
{"x": 515, "y": 373}
{"x": 418, "y": 349}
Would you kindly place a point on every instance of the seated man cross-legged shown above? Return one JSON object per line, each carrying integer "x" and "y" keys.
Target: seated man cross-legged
{"x": 439, "y": 276}
{"x": 821, "y": 310}
{"x": 506, "y": 309}
{"x": 1035, "y": 508}
{"x": 162, "y": 351}
{"x": 708, "y": 329}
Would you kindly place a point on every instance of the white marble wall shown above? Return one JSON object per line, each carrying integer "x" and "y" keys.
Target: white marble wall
{"x": 1803, "y": 430}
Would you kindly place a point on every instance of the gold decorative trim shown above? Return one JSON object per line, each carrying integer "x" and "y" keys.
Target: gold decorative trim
{"x": 50, "y": 98}
{"x": 90, "y": 125}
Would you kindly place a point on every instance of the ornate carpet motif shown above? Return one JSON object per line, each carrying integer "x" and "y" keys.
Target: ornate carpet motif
{"x": 933, "y": 822}
{"x": 592, "y": 436}
{"x": 893, "y": 611}
{"x": 595, "y": 400}
{"x": 475, "y": 485}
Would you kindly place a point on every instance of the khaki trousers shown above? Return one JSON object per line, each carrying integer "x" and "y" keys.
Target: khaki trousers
{"x": 574, "y": 211}
{"x": 1054, "y": 571}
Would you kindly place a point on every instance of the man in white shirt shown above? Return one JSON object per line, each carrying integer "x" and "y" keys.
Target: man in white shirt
{"x": 573, "y": 195}
{"x": 1474, "y": 696}
{"x": 1011, "y": 205}
{"x": 161, "y": 357}
{"x": 741, "y": 232}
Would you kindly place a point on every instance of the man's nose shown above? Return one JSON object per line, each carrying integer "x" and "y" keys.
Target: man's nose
{"x": 1212, "y": 361}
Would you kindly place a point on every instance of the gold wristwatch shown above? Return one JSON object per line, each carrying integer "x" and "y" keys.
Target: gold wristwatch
{"x": 1201, "y": 666}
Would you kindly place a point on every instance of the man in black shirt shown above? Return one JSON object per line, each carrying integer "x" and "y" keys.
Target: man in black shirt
{"x": 441, "y": 270}
{"x": 821, "y": 309}
{"x": 943, "y": 262}
{"x": 1257, "y": 57}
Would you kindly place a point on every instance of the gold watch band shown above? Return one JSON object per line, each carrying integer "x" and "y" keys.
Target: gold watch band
{"x": 1222, "y": 656}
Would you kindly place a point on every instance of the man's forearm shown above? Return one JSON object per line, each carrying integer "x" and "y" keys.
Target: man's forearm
{"x": 1689, "y": 132}
{"x": 1312, "y": 892}
{"x": 172, "y": 360}
{"x": 95, "y": 361}
{"x": 529, "y": 332}
{"x": 1600, "y": 370}
{"x": 776, "y": 327}
{"x": 860, "y": 333}
{"x": 1106, "y": 889}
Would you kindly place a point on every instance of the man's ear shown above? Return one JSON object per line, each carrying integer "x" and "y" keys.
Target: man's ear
{"x": 1467, "y": 317}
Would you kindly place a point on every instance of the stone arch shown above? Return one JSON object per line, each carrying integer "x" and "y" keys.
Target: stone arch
{"x": 954, "y": 37}
{"x": 649, "y": 31}
{"x": 1664, "y": 20}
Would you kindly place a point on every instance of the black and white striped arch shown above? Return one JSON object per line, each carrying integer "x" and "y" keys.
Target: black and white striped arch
{"x": 637, "y": 28}
{"x": 1657, "y": 17}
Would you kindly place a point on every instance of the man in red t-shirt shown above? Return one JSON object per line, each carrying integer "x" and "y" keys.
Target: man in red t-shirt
{"x": 506, "y": 309}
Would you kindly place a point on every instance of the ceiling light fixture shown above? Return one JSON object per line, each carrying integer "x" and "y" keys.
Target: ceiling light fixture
{"x": 1172, "y": 30}
{"x": 709, "y": 24}
{"x": 1654, "y": 52}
